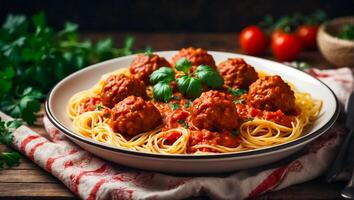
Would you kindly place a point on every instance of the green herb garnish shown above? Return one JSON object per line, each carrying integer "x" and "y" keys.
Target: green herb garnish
{"x": 165, "y": 74}
{"x": 175, "y": 97}
{"x": 148, "y": 52}
{"x": 209, "y": 76}
{"x": 98, "y": 107}
{"x": 183, "y": 65}
{"x": 174, "y": 106}
{"x": 237, "y": 92}
{"x": 162, "y": 91}
{"x": 183, "y": 122}
{"x": 250, "y": 119}
{"x": 239, "y": 101}
{"x": 189, "y": 84}
{"x": 188, "y": 104}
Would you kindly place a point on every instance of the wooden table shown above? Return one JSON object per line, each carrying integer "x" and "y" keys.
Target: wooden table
{"x": 28, "y": 181}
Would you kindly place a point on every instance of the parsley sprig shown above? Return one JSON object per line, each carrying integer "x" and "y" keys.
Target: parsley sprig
{"x": 190, "y": 84}
{"x": 9, "y": 159}
{"x": 34, "y": 57}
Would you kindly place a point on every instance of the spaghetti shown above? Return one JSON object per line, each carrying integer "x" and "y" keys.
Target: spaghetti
{"x": 257, "y": 132}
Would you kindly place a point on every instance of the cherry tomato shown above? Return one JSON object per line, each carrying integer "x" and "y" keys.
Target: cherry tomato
{"x": 285, "y": 46}
{"x": 253, "y": 40}
{"x": 307, "y": 35}
{"x": 277, "y": 33}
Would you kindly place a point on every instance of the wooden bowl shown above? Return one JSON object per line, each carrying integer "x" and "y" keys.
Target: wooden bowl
{"x": 338, "y": 52}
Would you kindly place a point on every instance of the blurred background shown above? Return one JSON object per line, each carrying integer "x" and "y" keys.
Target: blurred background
{"x": 168, "y": 15}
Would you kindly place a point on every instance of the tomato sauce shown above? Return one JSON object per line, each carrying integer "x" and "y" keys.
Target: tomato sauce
{"x": 246, "y": 112}
{"x": 90, "y": 104}
{"x": 224, "y": 138}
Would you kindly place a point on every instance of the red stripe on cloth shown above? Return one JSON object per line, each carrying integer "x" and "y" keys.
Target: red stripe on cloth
{"x": 76, "y": 179}
{"x": 343, "y": 81}
{"x": 34, "y": 149}
{"x": 96, "y": 187}
{"x": 26, "y": 141}
{"x": 268, "y": 183}
{"x": 51, "y": 160}
{"x": 318, "y": 75}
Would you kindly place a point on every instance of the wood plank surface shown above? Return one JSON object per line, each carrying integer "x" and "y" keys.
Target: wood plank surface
{"x": 28, "y": 181}
{"x": 35, "y": 191}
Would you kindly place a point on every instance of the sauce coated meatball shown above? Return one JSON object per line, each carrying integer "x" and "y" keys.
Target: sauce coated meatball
{"x": 197, "y": 56}
{"x": 272, "y": 93}
{"x": 143, "y": 65}
{"x": 118, "y": 87}
{"x": 134, "y": 115}
{"x": 237, "y": 73}
{"x": 214, "y": 111}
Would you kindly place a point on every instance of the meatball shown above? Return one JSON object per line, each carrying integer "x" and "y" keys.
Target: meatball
{"x": 134, "y": 115}
{"x": 214, "y": 111}
{"x": 118, "y": 87}
{"x": 143, "y": 65}
{"x": 271, "y": 93}
{"x": 237, "y": 73}
{"x": 197, "y": 56}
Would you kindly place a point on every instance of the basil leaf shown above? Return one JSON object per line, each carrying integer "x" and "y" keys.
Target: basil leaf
{"x": 162, "y": 91}
{"x": 209, "y": 76}
{"x": 183, "y": 65}
{"x": 190, "y": 86}
{"x": 165, "y": 74}
{"x": 148, "y": 52}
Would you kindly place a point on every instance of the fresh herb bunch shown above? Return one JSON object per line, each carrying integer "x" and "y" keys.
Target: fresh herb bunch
{"x": 189, "y": 83}
{"x": 289, "y": 23}
{"x": 34, "y": 57}
{"x": 9, "y": 159}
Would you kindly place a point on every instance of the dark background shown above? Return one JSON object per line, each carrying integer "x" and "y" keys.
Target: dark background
{"x": 169, "y": 15}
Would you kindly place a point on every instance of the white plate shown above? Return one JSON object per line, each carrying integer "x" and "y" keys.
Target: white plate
{"x": 216, "y": 163}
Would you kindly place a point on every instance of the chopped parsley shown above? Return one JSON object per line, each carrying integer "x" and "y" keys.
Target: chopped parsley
{"x": 98, "y": 107}
{"x": 250, "y": 119}
{"x": 239, "y": 101}
{"x": 174, "y": 106}
{"x": 237, "y": 92}
{"x": 183, "y": 122}
{"x": 188, "y": 104}
{"x": 175, "y": 97}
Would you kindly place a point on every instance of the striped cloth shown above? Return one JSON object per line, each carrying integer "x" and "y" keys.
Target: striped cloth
{"x": 93, "y": 178}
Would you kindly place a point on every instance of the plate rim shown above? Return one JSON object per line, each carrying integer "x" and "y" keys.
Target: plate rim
{"x": 257, "y": 152}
